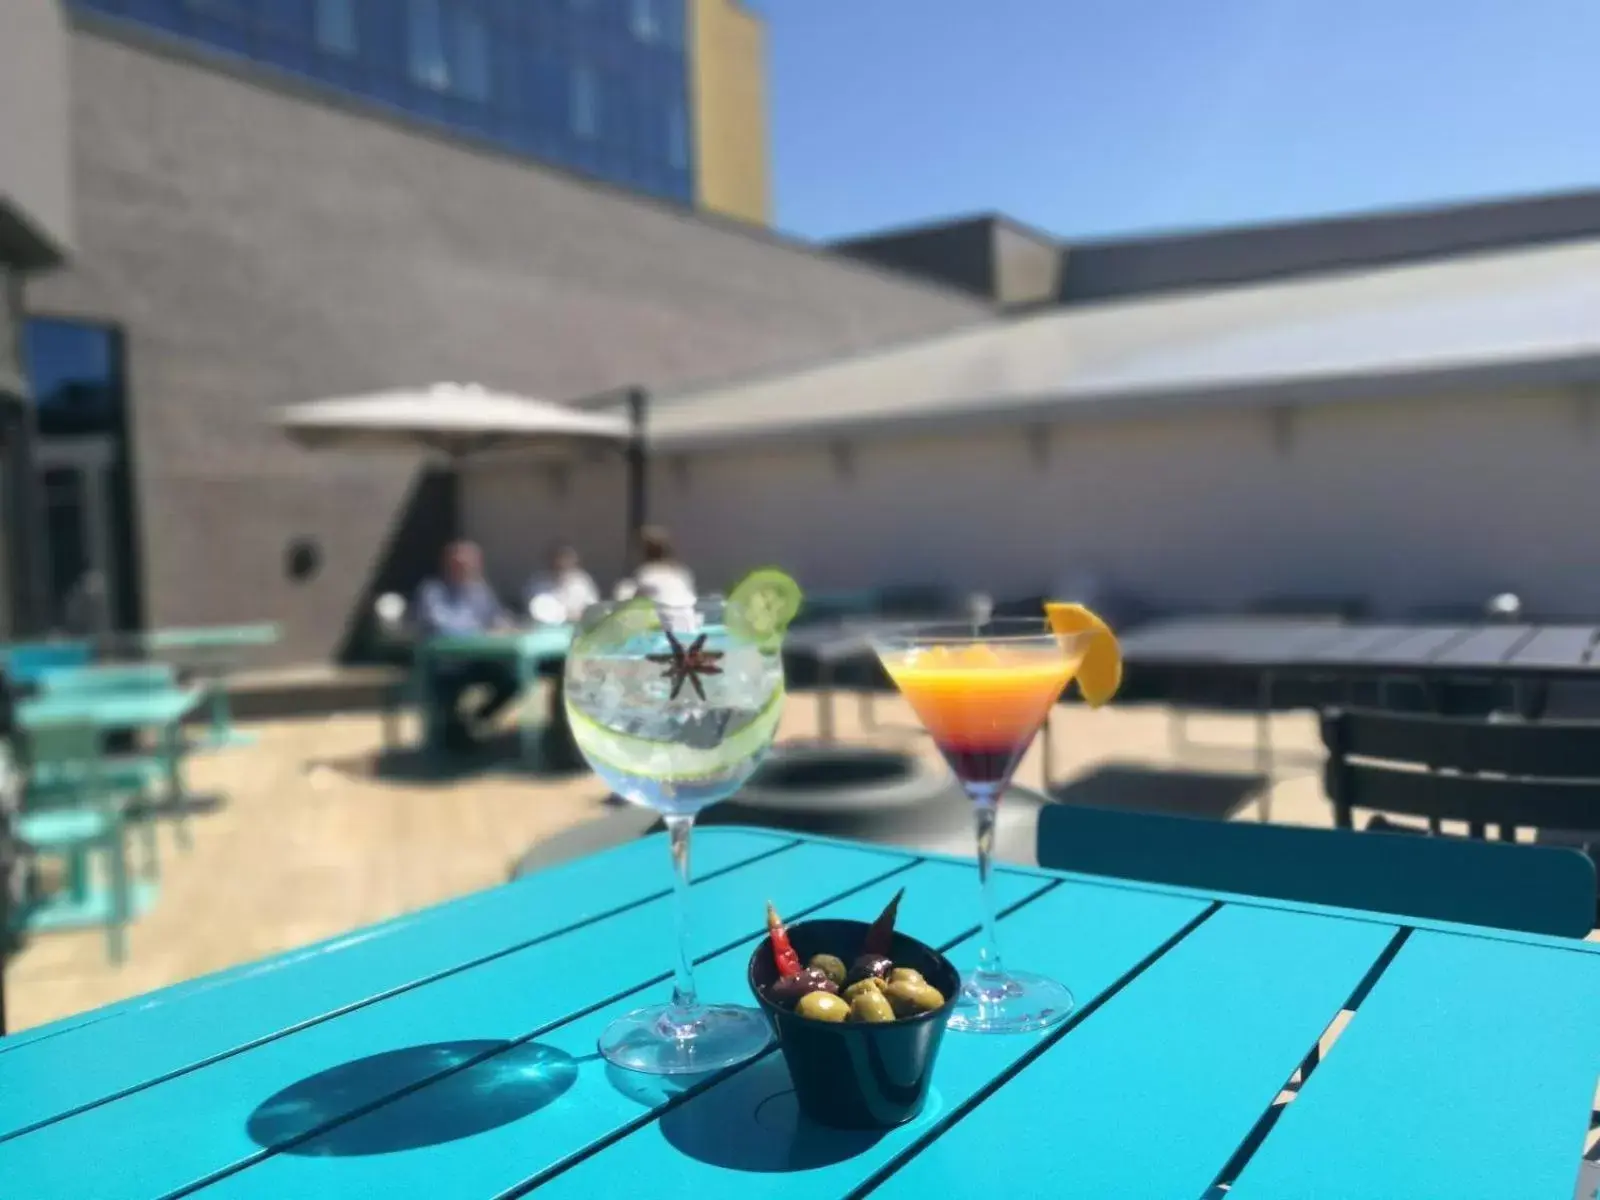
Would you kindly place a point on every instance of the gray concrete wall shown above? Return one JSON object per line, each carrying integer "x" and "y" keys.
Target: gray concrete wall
{"x": 35, "y": 193}
{"x": 261, "y": 246}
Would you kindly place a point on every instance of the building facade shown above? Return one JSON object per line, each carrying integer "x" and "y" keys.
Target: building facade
{"x": 663, "y": 97}
{"x": 247, "y": 239}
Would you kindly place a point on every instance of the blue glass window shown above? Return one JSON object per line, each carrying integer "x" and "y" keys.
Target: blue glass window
{"x": 678, "y": 138}
{"x": 593, "y": 85}
{"x": 644, "y": 20}
{"x": 336, "y": 27}
{"x": 425, "y": 44}
{"x": 469, "y": 54}
{"x": 585, "y": 102}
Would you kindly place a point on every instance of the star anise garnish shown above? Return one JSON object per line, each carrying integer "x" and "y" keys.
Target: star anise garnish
{"x": 687, "y": 664}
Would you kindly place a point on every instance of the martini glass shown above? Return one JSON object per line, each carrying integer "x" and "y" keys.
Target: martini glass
{"x": 982, "y": 689}
{"x": 676, "y": 739}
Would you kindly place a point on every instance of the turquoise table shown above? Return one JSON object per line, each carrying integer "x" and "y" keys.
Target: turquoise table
{"x": 214, "y": 650}
{"x": 451, "y": 1053}
{"x": 526, "y": 649}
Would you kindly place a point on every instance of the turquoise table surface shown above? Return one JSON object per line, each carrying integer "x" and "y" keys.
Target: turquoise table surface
{"x": 526, "y": 649}
{"x": 451, "y": 1052}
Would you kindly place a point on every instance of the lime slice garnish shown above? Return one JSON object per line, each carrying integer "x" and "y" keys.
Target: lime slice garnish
{"x": 674, "y": 761}
{"x": 618, "y": 627}
{"x": 761, "y": 606}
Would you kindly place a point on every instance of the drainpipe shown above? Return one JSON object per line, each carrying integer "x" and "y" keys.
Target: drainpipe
{"x": 638, "y": 476}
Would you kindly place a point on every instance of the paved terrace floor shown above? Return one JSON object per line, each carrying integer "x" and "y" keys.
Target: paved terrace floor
{"x": 317, "y": 837}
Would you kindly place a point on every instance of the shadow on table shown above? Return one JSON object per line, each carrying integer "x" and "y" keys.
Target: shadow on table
{"x": 1180, "y": 792}
{"x": 749, "y": 1122}
{"x": 476, "y": 1086}
{"x": 500, "y": 754}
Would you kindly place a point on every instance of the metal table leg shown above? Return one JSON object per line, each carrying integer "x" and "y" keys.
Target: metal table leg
{"x": 825, "y": 701}
{"x": 1264, "y": 753}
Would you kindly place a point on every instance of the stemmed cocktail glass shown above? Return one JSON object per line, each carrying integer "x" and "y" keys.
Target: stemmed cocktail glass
{"x": 674, "y": 708}
{"x": 982, "y": 690}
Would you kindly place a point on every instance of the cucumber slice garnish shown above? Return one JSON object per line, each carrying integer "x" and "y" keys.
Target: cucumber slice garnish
{"x": 618, "y": 627}
{"x": 674, "y": 761}
{"x": 761, "y": 606}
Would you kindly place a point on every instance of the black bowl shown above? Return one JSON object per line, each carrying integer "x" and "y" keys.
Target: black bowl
{"x": 857, "y": 1076}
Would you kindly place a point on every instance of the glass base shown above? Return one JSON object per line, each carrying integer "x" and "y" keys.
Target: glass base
{"x": 1015, "y": 1002}
{"x": 665, "y": 1040}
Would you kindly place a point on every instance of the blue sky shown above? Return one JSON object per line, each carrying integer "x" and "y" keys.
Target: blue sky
{"x": 1093, "y": 117}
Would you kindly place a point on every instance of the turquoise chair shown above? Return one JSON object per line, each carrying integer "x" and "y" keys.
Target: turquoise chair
{"x": 30, "y": 662}
{"x": 142, "y": 772}
{"x": 81, "y": 818}
{"x": 1537, "y": 889}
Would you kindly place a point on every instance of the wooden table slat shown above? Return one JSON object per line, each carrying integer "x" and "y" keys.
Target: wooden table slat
{"x": 184, "y": 1130}
{"x": 1468, "y": 1071}
{"x": 53, "y": 1073}
{"x": 1156, "y": 1093}
{"x": 938, "y": 904}
{"x": 715, "y": 1145}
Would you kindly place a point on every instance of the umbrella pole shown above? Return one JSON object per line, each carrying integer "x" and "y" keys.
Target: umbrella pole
{"x": 638, "y": 401}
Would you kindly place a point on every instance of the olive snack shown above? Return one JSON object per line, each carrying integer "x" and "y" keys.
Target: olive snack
{"x": 823, "y": 1006}
{"x": 909, "y": 999}
{"x": 869, "y": 966}
{"x": 870, "y": 1006}
{"x": 830, "y": 966}
{"x": 789, "y": 989}
{"x": 906, "y": 975}
{"x": 871, "y": 984}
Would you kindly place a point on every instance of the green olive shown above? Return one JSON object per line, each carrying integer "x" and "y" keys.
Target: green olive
{"x": 906, "y": 975}
{"x": 822, "y": 1006}
{"x": 908, "y": 999}
{"x": 871, "y": 1006}
{"x": 874, "y": 984}
{"x": 830, "y": 966}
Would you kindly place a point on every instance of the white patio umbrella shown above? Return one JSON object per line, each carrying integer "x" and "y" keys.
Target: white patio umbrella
{"x": 457, "y": 421}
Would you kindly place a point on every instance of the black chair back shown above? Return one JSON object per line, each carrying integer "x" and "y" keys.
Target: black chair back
{"x": 1509, "y": 773}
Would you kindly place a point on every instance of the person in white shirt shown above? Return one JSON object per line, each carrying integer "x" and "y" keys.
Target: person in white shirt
{"x": 564, "y": 591}
{"x": 660, "y": 576}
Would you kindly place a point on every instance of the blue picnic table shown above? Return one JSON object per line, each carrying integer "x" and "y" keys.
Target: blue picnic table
{"x": 451, "y": 1053}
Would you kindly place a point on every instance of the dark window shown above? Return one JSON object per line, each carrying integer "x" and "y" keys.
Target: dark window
{"x": 75, "y": 373}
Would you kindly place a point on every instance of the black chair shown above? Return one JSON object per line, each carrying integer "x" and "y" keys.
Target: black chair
{"x": 1509, "y": 773}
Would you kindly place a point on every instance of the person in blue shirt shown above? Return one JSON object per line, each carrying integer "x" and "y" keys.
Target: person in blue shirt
{"x": 460, "y": 601}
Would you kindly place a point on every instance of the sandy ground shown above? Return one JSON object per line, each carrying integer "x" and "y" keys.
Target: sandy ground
{"x": 319, "y": 833}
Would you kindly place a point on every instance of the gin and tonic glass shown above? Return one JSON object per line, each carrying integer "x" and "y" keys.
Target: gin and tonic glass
{"x": 675, "y": 711}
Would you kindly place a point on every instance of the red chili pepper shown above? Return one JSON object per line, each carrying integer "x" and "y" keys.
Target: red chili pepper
{"x": 881, "y": 934}
{"x": 782, "y": 952}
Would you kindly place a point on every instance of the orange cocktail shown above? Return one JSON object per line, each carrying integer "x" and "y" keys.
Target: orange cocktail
{"x": 983, "y": 703}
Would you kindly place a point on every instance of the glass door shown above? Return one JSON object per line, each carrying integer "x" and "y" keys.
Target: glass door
{"x": 83, "y": 575}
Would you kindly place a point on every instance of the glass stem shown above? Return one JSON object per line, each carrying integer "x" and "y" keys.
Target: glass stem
{"x": 987, "y": 808}
{"x": 678, "y": 830}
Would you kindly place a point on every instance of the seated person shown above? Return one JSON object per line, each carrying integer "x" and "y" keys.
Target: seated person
{"x": 460, "y": 601}
{"x": 660, "y": 576}
{"x": 566, "y": 587}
